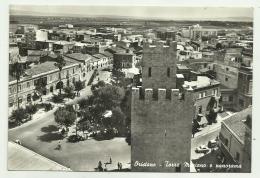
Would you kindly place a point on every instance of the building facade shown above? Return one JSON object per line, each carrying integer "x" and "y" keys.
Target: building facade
{"x": 45, "y": 73}
{"x": 235, "y": 140}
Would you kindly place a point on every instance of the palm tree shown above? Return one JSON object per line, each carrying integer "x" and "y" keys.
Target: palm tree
{"x": 18, "y": 71}
{"x": 60, "y": 63}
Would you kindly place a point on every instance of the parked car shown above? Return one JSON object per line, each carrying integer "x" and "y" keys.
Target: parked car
{"x": 202, "y": 149}
{"x": 212, "y": 144}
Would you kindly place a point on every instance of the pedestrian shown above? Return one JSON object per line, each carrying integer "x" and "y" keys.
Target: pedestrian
{"x": 59, "y": 146}
{"x": 118, "y": 166}
{"x": 121, "y": 166}
{"x": 100, "y": 168}
{"x": 110, "y": 160}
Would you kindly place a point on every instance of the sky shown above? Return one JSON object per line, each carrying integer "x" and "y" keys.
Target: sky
{"x": 135, "y": 11}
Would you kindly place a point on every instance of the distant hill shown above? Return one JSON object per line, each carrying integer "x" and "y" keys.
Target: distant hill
{"x": 33, "y": 13}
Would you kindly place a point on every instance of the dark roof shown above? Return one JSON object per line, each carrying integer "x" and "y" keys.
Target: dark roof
{"x": 107, "y": 54}
{"x": 33, "y": 58}
{"x": 46, "y": 67}
{"x": 236, "y": 123}
{"x": 182, "y": 67}
{"x": 99, "y": 56}
{"x": 37, "y": 52}
{"x": 79, "y": 56}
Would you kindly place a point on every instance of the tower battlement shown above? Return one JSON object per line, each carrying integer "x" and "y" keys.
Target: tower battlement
{"x": 159, "y": 47}
{"x": 161, "y": 94}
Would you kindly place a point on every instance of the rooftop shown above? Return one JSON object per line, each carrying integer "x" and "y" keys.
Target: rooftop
{"x": 46, "y": 67}
{"x": 182, "y": 67}
{"x": 99, "y": 56}
{"x": 202, "y": 81}
{"x": 107, "y": 54}
{"x": 79, "y": 56}
{"x": 236, "y": 123}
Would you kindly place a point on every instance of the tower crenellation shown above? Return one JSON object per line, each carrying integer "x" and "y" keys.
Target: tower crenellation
{"x": 161, "y": 94}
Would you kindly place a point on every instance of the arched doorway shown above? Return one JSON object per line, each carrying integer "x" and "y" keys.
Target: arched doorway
{"x": 29, "y": 98}
{"x": 59, "y": 85}
{"x": 51, "y": 89}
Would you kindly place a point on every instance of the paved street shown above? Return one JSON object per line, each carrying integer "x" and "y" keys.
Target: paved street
{"x": 41, "y": 135}
{"x": 24, "y": 159}
{"x": 210, "y": 132}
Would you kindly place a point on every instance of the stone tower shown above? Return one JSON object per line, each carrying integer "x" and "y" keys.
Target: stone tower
{"x": 159, "y": 66}
{"x": 161, "y": 116}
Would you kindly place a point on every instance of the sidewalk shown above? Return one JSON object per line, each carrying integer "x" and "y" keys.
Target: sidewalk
{"x": 214, "y": 126}
{"x": 21, "y": 158}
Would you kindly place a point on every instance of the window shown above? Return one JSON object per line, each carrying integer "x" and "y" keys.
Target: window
{"x": 230, "y": 98}
{"x": 204, "y": 94}
{"x": 11, "y": 104}
{"x": 241, "y": 102}
{"x": 168, "y": 72}
{"x": 225, "y": 141}
{"x": 237, "y": 156}
{"x": 226, "y": 79}
{"x": 200, "y": 95}
{"x": 200, "y": 109}
{"x": 28, "y": 84}
{"x": 227, "y": 69}
{"x": 215, "y": 92}
{"x": 149, "y": 72}
{"x": 19, "y": 88}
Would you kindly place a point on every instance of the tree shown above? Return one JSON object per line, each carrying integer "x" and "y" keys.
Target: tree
{"x": 79, "y": 85}
{"x": 64, "y": 117}
{"x": 212, "y": 116}
{"x": 69, "y": 91}
{"x": 98, "y": 85}
{"x": 119, "y": 77}
{"x": 60, "y": 63}
{"x": 85, "y": 102}
{"x": 211, "y": 103}
{"x": 108, "y": 97}
{"x": 118, "y": 118}
{"x": 86, "y": 119}
{"x": 19, "y": 115}
{"x": 41, "y": 85}
{"x": 219, "y": 46}
{"x": 17, "y": 71}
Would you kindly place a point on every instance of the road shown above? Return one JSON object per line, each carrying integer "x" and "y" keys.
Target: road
{"x": 41, "y": 136}
{"x": 25, "y": 159}
{"x": 208, "y": 133}
{"x": 202, "y": 140}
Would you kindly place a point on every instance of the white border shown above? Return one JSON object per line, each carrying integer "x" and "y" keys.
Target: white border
{"x": 4, "y": 22}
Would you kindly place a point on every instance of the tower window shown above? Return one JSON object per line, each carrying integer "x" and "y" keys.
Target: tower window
{"x": 168, "y": 72}
{"x": 149, "y": 72}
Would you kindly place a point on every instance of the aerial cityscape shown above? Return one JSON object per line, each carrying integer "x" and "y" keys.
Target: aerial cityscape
{"x": 93, "y": 90}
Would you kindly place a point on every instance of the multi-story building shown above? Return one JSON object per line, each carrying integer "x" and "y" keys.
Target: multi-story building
{"x": 124, "y": 60}
{"x": 30, "y": 38}
{"x": 46, "y": 73}
{"x": 244, "y": 88}
{"x": 22, "y": 29}
{"x": 62, "y": 46}
{"x": 206, "y": 95}
{"x": 197, "y": 32}
{"x": 161, "y": 115}
{"x": 235, "y": 139}
{"x": 166, "y": 34}
{"x": 234, "y": 72}
{"x": 41, "y": 35}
